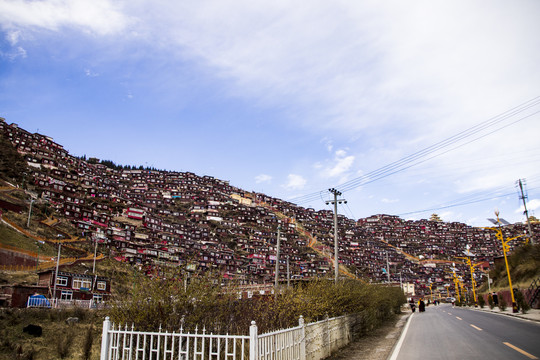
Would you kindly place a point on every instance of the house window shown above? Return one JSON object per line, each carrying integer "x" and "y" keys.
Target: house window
{"x": 79, "y": 283}
{"x": 101, "y": 285}
{"x": 66, "y": 295}
{"x": 97, "y": 298}
{"x": 61, "y": 281}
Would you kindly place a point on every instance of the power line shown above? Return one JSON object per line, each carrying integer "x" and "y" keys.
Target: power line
{"x": 424, "y": 154}
{"x": 403, "y": 165}
{"x": 472, "y": 199}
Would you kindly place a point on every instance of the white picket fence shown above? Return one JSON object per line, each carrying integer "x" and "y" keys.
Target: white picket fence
{"x": 58, "y": 303}
{"x": 312, "y": 341}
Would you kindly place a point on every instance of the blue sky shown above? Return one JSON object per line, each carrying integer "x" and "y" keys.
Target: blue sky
{"x": 291, "y": 98}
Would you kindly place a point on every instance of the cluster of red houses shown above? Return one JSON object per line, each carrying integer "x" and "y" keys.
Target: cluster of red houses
{"x": 155, "y": 218}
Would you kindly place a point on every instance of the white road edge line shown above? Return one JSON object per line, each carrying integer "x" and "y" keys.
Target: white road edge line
{"x": 401, "y": 339}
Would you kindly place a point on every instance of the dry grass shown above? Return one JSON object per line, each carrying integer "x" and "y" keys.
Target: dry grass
{"x": 52, "y": 345}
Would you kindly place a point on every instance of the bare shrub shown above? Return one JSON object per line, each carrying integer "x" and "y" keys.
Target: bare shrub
{"x": 87, "y": 343}
{"x": 172, "y": 303}
{"x": 64, "y": 342}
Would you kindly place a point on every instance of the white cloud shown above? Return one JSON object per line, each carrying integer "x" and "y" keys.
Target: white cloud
{"x": 277, "y": 49}
{"x": 263, "y": 178}
{"x": 445, "y": 215}
{"x": 101, "y": 17}
{"x": 343, "y": 164}
{"x": 90, "y": 73}
{"x": 295, "y": 182}
{"x": 389, "y": 201}
{"x": 532, "y": 205}
{"x": 13, "y": 37}
{"x": 328, "y": 144}
{"x": 18, "y": 52}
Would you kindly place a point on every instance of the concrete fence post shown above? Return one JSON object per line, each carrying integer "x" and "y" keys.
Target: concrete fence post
{"x": 253, "y": 342}
{"x": 301, "y": 322}
{"x": 105, "y": 339}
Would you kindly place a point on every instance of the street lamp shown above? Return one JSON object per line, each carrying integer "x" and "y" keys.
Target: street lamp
{"x": 471, "y": 267}
{"x": 505, "y": 248}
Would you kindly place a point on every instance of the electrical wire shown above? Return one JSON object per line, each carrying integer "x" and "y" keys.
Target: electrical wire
{"x": 424, "y": 154}
{"x": 466, "y": 201}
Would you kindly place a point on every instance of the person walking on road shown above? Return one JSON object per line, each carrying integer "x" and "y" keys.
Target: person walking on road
{"x": 412, "y": 305}
{"x": 422, "y": 306}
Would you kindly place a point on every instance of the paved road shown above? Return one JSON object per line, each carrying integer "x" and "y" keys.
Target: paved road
{"x": 443, "y": 332}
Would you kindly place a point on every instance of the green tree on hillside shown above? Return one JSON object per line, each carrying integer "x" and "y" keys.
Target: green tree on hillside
{"x": 12, "y": 164}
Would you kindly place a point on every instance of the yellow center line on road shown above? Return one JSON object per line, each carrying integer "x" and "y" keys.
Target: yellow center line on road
{"x": 457, "y": 317}
{"x": 476, "y": 327}
{"x": 530, "y": 356}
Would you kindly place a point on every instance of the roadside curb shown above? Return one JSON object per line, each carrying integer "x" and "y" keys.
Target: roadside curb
{"x": 532, "y": 315}
{"x": 402, "y": 324}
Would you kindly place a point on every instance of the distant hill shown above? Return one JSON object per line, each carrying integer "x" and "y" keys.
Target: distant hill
{"x": 155, "y": 218}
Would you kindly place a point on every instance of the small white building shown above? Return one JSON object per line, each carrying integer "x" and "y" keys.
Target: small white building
{"x": 408, "y": 289}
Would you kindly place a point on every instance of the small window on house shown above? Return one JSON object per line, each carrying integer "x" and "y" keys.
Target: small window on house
{"x": 101, "y": 285}
{"x": 61, "y": 281}
{"x": 79, "y": 283}
{"x": 66, "y": 295}
{"x": 97, "y": 298}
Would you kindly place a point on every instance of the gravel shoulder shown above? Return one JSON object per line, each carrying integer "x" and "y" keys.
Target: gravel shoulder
{"x": 375, "y": 346}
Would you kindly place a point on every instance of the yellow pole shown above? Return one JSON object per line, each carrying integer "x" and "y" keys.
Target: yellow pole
{"x": 506, "y": 247}
{"x": 471, "y": 267}
{"x": 472, "y": 281}
{"x": 509, "y": 278}
{"x": 456, "y": 287}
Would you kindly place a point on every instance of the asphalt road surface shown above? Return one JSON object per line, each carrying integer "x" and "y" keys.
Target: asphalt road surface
{"x": 444, "y": 332}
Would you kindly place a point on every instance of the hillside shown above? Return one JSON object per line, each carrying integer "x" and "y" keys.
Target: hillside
{"x": 524, "y": 264}
{"x": 154, "y": 218}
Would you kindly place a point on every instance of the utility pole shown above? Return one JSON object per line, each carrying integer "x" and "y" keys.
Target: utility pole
{"x": 523, "y": 197}
{"x": 288, "y": 274}
{"x": 95, "y": 254}
{"x": 56, "y": 274}
{"x": 387, "y": 268}
{"x": 335, "y": 202}
{"x": 277, "y": 260}
{"x": 30, "y": 213}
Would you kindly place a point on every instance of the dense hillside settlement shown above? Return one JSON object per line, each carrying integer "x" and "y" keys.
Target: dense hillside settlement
{"x": 154, "y": 219}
